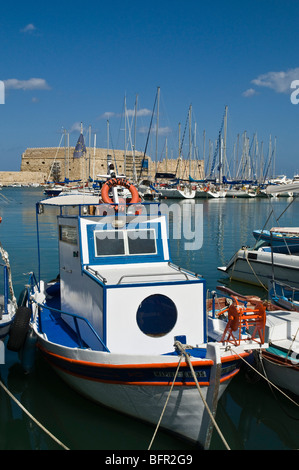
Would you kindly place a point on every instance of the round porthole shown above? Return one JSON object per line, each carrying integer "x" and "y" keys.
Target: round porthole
{"x": 156, "y": 315}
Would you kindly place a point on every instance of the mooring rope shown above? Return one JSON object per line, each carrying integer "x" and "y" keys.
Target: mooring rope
{"x": 182, "y": 349}
{"x": 32, "y": 417}
{"x": 164, "y": 408}
{"x": 179, "y": 346}
{"x": 264, "y": 377}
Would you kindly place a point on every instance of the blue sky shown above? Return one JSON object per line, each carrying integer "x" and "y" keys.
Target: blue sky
{"x": 63, "y": 63}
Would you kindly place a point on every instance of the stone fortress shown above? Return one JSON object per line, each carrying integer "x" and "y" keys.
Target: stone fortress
{"x": 39, "y": 165}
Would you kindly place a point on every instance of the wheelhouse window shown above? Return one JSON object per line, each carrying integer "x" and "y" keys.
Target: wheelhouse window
{"x": 68, "y": 234}
{"x": 125, "y": 242}
{"x": 141, "y": 242}
{"x": 109, "y": 243}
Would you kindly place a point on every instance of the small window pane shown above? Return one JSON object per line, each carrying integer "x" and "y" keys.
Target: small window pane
{"x": 141, "y": 242}
{"x": 68, "y": 234}
{"x": 156, "y": 315}
{"x": 109, "y": 243}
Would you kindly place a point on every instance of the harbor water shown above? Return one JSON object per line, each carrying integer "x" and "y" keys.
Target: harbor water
{"x": 204, "y": 234}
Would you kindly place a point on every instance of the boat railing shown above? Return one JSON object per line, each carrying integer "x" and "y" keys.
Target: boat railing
{"x": 285, "y": 290}
{"x": 178, "y": 270}
{"x": 5, "y": 290}
{"x": 96, "y": 273}
{"x": 182, "y": 270}
{"x": 150, "y": 275}
{"x": 77, "y": 319}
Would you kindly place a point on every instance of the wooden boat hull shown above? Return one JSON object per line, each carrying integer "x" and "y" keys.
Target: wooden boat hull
{"x": 139, "y": 386}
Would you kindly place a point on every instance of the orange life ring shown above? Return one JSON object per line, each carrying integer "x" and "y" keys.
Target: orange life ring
{"x": 119, "y": 182}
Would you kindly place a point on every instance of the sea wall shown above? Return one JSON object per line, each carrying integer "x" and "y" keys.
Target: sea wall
{"x": 21, "y": 177}
{"x": 52, "y": 163}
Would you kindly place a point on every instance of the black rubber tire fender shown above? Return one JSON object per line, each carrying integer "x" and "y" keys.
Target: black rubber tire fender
{"x": 19, "y": 329}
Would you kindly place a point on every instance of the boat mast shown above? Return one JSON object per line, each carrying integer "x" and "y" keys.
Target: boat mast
{"x": 204, "y": 151}
{"x": 125, "y": 155}
{"x": 179, "y": 175}
{"x": 224, "y": 145}
{"x": 157, "y": 130}
{"x": 190, "y": 138}
{"x": 134, "y": 164}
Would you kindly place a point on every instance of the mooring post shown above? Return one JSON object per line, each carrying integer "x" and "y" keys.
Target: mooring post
{"x": 205, "y": 434}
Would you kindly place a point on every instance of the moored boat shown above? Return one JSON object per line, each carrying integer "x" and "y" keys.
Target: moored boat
{"x": 279, "y": 361}
{"x": 8, "y": 303}
{"x": 126, "y": 327}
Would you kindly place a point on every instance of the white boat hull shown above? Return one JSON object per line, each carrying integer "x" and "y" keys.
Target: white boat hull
{"x": 282, "y": 375}
{"x": 255, "y": 267}
{"x": 177, "y": 193}
{"x": 185, "y": 414}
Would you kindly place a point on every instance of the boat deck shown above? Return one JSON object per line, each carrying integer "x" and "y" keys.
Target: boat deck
{"x": 51, "y": 319}
{"x": 139, "y": 273}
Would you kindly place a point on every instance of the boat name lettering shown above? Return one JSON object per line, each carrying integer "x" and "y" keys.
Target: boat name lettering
{"x": 187, "y": 374}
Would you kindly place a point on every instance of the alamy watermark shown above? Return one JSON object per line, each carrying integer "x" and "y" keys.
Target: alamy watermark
{"x": 295, "y": 93}
{"x": 185, "y": 221}
{"x": 2, "y": 92}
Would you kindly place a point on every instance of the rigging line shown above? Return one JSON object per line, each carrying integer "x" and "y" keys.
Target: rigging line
{"x": 264, "y": 376}
{"x": 273, "y": 392}
{"x": 148, "y": 134}
{"x": 32, "y": 417}
{"x": 55, "y": 157}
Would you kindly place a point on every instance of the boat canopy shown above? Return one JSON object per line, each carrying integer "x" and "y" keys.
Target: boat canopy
{"x": 70, "y": 200}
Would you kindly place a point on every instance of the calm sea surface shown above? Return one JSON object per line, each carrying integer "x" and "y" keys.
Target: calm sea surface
{"x": 250, "y": 415}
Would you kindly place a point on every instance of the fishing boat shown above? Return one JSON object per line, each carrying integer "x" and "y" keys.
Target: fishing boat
{"x": 284, "y": 295}
{"x": 278, "y": 236}
{"x": 122, "y": 324}
{"x": 279, "y": 361}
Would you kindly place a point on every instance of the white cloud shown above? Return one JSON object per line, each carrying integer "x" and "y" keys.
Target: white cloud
{"x": 280, "y": 82}
{"x": 139, "y": 113}
{"x": 249, "y": 92}
{"x": 108, "y": 115}
{"x": 31, "y": 84}
{"x": 161, "y": 130}
{"x": 76, "y": 127}
{"x": 129, "y": 112}
{"x": 29, "y": 28}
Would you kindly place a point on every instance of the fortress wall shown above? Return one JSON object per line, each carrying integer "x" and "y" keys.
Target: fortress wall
{"x": 21, "y": 177}
{"x": 44, "y": 163}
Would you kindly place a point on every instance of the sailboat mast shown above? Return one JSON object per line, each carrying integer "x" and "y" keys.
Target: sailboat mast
{"x": 157, "y": 130}
{"x": 190, "y": 139}
{"x": 224, "y": 143}
{"x": 179, "y": 172}
{"x": 134, "y": 163}
{"x": 125, "y": 155}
